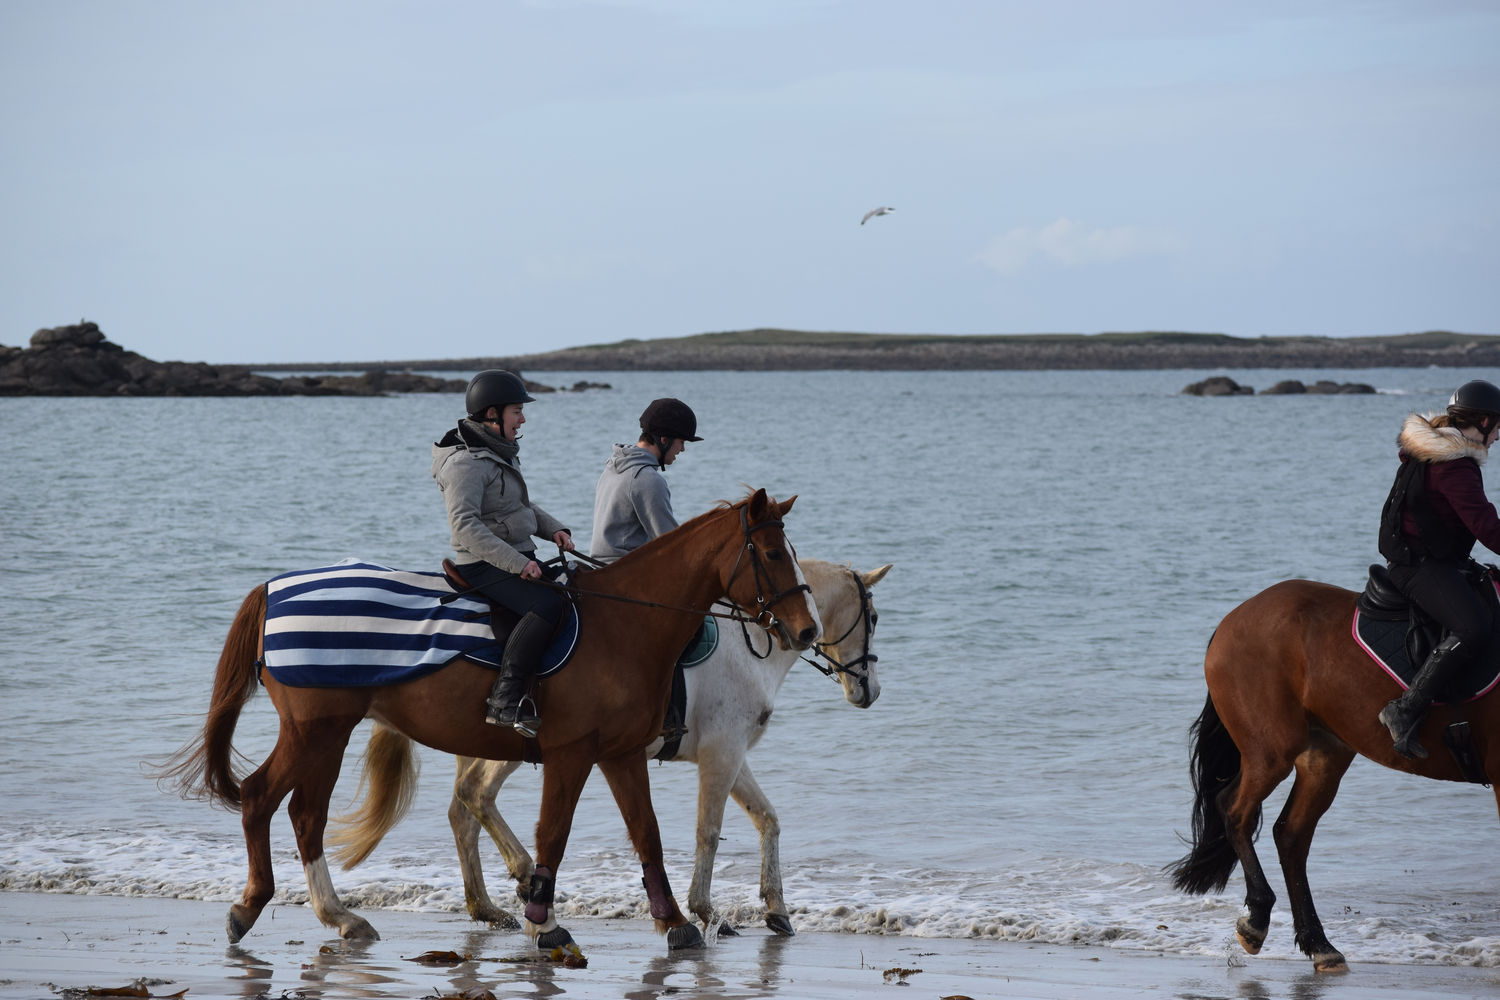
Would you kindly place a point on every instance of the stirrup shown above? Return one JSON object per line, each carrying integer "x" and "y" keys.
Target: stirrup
{"x": 511, "y": 719}
{"x": 512, "y": 716}
{"x": 1405, "y": 741}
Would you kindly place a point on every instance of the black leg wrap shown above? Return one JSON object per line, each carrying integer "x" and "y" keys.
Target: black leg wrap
{"x": 542, "y": 885}
{"x": 657, "y": 891}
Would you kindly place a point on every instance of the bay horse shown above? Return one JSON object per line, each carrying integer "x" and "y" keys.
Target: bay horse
{"x": 602, "y": 709}
{"x": 729, "y": 702}
{"x": 1289, "y": 689}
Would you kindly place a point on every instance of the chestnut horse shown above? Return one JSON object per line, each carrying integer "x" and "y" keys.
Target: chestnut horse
{"x": 730, "y": 696}
{"x": 603, "y": 709}
{"x": 1289, "y": 689}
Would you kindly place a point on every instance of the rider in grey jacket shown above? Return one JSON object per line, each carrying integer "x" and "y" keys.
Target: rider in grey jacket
{"x": 632, "y": 503}
{"x": 492, "y": 520}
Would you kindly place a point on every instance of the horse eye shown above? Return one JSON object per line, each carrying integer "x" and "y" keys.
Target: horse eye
{"x": 774, "y": 555}
{"x": 874, "y": 618}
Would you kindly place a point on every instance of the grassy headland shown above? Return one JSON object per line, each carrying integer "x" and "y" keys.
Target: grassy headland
{"x": 797, "y": 350}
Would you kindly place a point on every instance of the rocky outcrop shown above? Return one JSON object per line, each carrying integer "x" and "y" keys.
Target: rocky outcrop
{"x": 79, "y": 361}
{"x": 1223, "y": 385}
{"x": 1218, "y": 385}
{"x": 1322, "y": 387}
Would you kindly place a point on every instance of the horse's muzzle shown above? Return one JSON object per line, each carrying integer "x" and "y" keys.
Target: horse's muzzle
{"x": 802, "y": 640}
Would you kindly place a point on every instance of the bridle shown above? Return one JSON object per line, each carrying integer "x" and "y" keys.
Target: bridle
{"x": 763, "y": 616}
{"x": 867, "y": 618}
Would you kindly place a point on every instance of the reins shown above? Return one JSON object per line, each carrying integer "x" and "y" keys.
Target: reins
{"x": 763, "y": 617}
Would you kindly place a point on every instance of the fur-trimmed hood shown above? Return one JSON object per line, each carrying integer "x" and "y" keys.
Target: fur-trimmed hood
{"x": 1426, "y": 443}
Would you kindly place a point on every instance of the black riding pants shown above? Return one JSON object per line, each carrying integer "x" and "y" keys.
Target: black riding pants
{"x": 1440, "y": 588}
{"x": 520, "y": 596}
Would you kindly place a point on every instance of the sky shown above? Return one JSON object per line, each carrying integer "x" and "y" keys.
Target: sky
{"x": 355, "y": 180}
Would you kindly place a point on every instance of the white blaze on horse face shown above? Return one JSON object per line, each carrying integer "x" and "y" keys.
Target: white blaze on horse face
{"x": 808, "y": 602}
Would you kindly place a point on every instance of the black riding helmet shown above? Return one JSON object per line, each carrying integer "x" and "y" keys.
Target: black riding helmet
{"x": 669, "y": 418}
{"x": 1476, "y": 404}
{"x": 494, "y": 387}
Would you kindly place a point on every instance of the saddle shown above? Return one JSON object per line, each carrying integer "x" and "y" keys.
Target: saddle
{"x": 503, "y": 620}
{"x": 1398, "y": 635}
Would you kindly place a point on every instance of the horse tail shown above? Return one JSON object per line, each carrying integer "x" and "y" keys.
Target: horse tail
{"x": 204, "y": 768}
{"x": 1215, "y": 765}
{"x": 390, "y": 776}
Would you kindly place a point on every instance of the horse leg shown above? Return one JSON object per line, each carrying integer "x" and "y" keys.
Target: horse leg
{"x": 260, "y": 796}
{"x": 1240, "y": 803}
{"x": 472, "y": 808}
{"x": 1320, "y": 768}
{"x": 563, "y": 778}
{"x": 747, "y": 793}
{"x": 630, "y": 782}
{"x": 715, "y": 778}
{"x": 320, "y": 756}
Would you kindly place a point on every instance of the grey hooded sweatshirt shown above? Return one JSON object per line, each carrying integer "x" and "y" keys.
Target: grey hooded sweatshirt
{"x": 632, "y": 503}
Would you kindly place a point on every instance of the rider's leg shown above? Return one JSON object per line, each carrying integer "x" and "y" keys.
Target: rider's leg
{"x": 540, "y": 608}
{"x": 1443, "y": 591}
{"x": 508, "y": 704}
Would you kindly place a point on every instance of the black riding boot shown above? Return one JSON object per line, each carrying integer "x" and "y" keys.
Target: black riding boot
{"x": 523, "y": 651}
{"x": 1404, "y": 714}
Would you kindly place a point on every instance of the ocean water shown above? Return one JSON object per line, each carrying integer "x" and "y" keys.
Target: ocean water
{"x": 1064, "y": 544}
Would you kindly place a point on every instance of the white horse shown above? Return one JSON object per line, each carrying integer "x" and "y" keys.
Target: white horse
{"x": 729, "y": 702}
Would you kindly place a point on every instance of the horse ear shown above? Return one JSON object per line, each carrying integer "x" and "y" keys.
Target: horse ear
{"x": 756, "y": 502}
{"x": 873, "y": 577}
{"x": 786, "y": 505}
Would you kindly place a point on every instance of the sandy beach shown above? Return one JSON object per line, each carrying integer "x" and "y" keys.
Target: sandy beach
{"x": 63, "y": 945}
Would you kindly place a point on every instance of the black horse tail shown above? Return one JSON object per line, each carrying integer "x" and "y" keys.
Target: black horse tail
{"x": 1215, "y": 766}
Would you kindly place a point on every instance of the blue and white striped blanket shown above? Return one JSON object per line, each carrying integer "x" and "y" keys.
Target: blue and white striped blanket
{"x": 357, "y": 624}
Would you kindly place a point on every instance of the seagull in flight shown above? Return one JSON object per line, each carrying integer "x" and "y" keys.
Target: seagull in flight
{"x": 874, "y": 212}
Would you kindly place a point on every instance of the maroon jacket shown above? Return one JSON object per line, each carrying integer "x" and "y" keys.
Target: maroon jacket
{"x": 1458, "y": 509}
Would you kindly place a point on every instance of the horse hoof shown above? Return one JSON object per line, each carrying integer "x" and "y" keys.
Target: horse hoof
{"x": 1251, "y": 937}
{"x": 557, "y": 937}
{"x": 684, "y": 936}
{"x": 239, "y": 922}
{"x": 1330, "y": 961}
{"x": 725, "y": 930}
{"x": 358, "y": 929}
{"x": 497, "y": 918}
{"x": 779, "y": 923}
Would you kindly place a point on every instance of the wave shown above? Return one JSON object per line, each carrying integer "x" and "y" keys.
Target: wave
{"x": 1119, "y": 906}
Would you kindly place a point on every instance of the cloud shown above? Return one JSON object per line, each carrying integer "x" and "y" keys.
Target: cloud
{"x": 1066, "y": 243}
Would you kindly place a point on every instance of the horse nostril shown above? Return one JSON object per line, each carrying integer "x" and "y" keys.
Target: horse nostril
{"x": 807, "y": 635}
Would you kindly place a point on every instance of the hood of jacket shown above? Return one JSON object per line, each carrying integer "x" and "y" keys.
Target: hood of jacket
{"x": 626, "y": 457}
{"x": 1425, "y": 443}
{"x": 468, "y": 436}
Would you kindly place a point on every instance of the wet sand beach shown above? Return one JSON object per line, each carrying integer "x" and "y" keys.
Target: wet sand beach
{"x": 56, "y": 944}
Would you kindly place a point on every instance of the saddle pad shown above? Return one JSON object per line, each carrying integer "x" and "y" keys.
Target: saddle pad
{"x": 1385, "y": 642}
{"x": 360, "y": 624}
{"x": 702, "y": 645}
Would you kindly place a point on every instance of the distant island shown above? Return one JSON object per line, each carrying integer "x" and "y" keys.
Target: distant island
{"x": 794, "y": 350}
{"x": 78, "y": 360}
